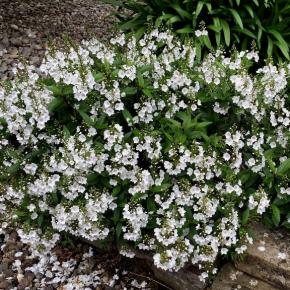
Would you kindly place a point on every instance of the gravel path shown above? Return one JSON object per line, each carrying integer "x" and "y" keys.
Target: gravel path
{"x": 27, "y": 26}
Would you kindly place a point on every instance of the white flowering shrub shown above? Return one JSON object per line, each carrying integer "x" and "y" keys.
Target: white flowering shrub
{"x": 139, "y": 143}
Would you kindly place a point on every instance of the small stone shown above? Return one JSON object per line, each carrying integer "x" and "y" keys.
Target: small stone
{"x": 14, "y": 26}
{"x": 13, "y": 54}
{"x": 38, "y": 47}
{"x": 5, "y": 41}
{"x": 20, "y": 277}
{"x": 26, "y": 280}
{"x": 5, "y": 284}
{"x": 3, "y": 68}
{"x": 35, "y": 60}
{"x": 16, "y": 41}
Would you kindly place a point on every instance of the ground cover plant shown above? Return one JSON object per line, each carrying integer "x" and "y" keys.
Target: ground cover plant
{"x": 141, "y": 144}
{"x": 244, "y": 24}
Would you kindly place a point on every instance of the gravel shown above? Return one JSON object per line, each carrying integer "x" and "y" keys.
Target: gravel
{"x": 27, "y": 27}
{"x": 113, "y": 271}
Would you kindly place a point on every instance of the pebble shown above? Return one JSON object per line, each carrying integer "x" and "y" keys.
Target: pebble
{"x": 14, "y": 26}
{"x": 29, "y": 37}
{"x": 26, "y": 280}
{"x": 4, "y": 284}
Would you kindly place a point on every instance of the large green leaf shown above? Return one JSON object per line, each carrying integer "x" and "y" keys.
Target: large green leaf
{"x": 199, "y": 7}
{"x": 282, "y": 44}
{"x": 226, "y": 31}
{"x": 237, "y": 17}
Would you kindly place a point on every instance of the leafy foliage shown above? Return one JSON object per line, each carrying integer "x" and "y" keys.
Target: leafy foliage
{"x": 143, "y": 145}
{"x": 242, "y": 24}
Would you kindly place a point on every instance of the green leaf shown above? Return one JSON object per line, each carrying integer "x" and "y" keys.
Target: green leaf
{"x": 93, "y": 178}
{"x": 198, "y": 52}
{"x": 137, "y": 196}
{"x": 116, "y": 191}
{"x": 206, "y": 41}
{"x": 199, "y": 7}
{"x": 286, "y": 224}
{"x": 284, "y": 167}
{"x": 165, "y": 16}
{"x": 183, "y": 13}
{"x": 127, "y": 115}
{"x": 151, "y": 205}
{"x": 245, "y": 216}
{"x": 215, "y": 28}
{"x": 202, "y": 125}
{"x": 160, "y": 188}
{"x": 209, "y": 7}
{"x": 54, "y": 104}
{"x": 133, "y": 23}
{"x": 282, "y": 200}
{"x": 284, "y": 49}
{"x": 276, "y": 215}
{"x": 218, "y": 26}
{"x": 174, "y": 19}
{"x": 13, "y": 168}
{"x": 40, "y": 219}
{"x": 98, "y": 76}
{"x": 118, "y": 230}
{"x": 246, "y": 32}
{"x": 147, "y": 92}
{"x": 174, "y": 123}
{"x": 186, "y": 29}
{"x": 54, "y": 197}
{"x": 245, "y": 176}
{"x": 130, "y": 91}
{"x": 226, "y": 31}
{"x": 250, "y": 10}
{"x": 270, "y": 47}
{"x": 282, "y": 43}
{"x": 259, "y": 36}
{"x": 87, "y": 119}
{"x": 237, "y": 17}
{"x": 140, "y": 32}
{"x": 66, "y": 132}
{"x": 140, "y": 79}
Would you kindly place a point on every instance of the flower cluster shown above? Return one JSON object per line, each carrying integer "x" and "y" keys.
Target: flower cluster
{"x": 140, "y": 142}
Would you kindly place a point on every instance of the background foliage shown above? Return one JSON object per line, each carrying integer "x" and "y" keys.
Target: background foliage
{"x": 247, "y": 23}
